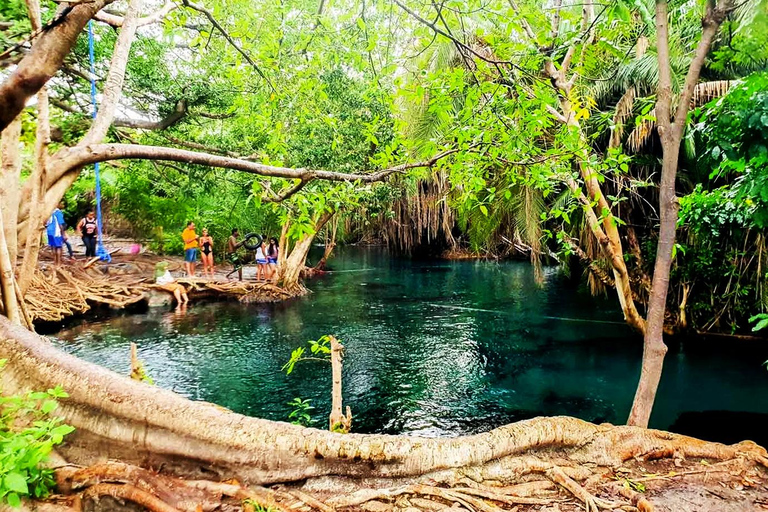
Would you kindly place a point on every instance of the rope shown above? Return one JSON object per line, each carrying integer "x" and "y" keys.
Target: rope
{"x": 101, "y": 252}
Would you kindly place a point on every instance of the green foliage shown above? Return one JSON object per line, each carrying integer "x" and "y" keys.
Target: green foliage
{"x": 760, "y": 321}
{"x": 28, "y": 434}
{"x": 300, "y": 412}
{"x": 709, "y": 213}
{"x": 735, "y": 131}
{"x": 252, "y": 506}
{"x": 318, "y": 348}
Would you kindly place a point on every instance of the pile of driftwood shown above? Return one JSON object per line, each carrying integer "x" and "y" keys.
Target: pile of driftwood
{"x": 60, "y": 292}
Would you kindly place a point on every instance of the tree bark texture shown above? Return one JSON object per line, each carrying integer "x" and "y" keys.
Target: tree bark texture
{"x": 671, "y": 132}
{"x": 338, "y": 422}
{"x": 10, "y": 174}
{"x": 118, "y": 418}
{"x": 45, "y": 58}
{"x": 7, "y": 279}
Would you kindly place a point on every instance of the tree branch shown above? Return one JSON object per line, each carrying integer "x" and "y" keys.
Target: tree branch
{"x": 209, "y": 149}
{"x": 526, "y": 25}
{"x": 174, "y": 117}
{"x": 117, "y": 21}
{"x": 116, "y": 76}
{"x": 711, "y": 23}
{"x": 44, "y": 58}
{"x": 279, "y": 198}
{"x": 79, "y": 156}
{"x": 217, "y": 25}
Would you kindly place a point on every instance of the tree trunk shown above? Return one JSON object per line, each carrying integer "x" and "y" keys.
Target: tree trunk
{"x": 338, "y": 422}
{"x": 44, "y": 188}
{"x": 10, "y": 174}
{"x": 7, "y": 279}
{"x": 37, "y": 178}
{"x": 330, "y": 244}
{"x": 117, "y": 418}
{"x": 290, "y": 272}
{"x": 36, "y": 211}
{"x": 671, "y": 132}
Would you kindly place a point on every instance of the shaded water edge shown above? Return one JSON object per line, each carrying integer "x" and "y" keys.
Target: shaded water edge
{"x": 438, "y": 348}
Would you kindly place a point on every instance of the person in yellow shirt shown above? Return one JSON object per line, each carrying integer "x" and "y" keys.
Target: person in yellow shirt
{"x": 190, "y": 248}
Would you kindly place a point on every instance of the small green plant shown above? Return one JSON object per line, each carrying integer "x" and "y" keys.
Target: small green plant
{"x": 300, "y": 414}
{"x": 320, "y": 347}
{"x": 630, "y": 484}
{"x": 250, "y": 505}
{"x": 28, "y": 434}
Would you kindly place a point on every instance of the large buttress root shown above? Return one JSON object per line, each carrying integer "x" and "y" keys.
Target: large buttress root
{"x": 121, "y": 419}
{"x": 117, "y": 418}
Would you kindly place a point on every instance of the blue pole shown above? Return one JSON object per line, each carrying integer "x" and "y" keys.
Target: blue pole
{"x": 101, "y": 252}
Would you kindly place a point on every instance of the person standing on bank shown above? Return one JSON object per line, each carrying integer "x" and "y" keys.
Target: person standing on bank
{"x": 272, "y": 255}
{"x": 233, "y": 254}
{"x": 261, "y": 261}
{"x": 55, "y": 232}
{"x": 206, "y": 250}
{"x": 191, "y": 243}
{"x": 88, "y": 229}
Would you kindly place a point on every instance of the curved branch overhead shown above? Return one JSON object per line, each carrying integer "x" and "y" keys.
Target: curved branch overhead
{"x": 79, "y": 156}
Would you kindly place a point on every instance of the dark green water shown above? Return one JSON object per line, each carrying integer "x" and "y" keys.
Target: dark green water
{"x": 435, "y": 349}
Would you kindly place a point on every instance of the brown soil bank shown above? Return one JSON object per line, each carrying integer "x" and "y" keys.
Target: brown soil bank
{"x": 180, "y": 455}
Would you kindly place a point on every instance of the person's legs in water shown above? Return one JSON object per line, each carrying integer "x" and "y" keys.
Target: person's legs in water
{"x": 177, "y": 294}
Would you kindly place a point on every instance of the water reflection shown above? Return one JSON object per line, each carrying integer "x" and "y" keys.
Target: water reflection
{"x": 432, "y": 349}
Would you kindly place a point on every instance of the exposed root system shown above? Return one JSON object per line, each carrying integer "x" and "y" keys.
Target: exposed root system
{"x": 57, "y": 293}
{"x": 548, "y": 487}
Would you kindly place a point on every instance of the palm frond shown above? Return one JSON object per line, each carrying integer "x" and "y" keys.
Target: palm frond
{"x": 623, "y": 112}
{"x": 640, "y": 135}
{"x": 705, "y": 92}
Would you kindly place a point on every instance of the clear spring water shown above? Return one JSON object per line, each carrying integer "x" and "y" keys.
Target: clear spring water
{"x": 436, "y": 349}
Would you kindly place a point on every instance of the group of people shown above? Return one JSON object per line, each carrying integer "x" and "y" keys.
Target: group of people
{"x": 56, "y": 231}
{"x": 267, "y": 253}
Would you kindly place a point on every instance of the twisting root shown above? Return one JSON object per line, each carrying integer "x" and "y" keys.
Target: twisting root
{"x": 592, "y": 503}
{"x": 468, "y": 496}
{"x": 129, "y": 493}
{"x": 307, "y": 499}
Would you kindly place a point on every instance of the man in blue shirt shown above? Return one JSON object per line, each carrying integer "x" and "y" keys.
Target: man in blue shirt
{"x": 55, "y": 231}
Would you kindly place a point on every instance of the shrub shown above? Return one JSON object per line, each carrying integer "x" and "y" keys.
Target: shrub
{"x": 28, "y": 434}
